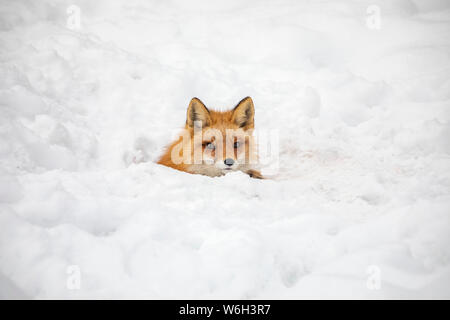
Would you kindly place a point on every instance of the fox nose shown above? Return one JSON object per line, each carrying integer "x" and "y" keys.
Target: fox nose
{"x": 228, "y": 161}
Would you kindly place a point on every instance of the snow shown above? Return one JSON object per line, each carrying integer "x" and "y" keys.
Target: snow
{"x": 358, "y": 204}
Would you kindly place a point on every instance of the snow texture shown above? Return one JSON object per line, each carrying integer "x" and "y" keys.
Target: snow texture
{"x": 358, "y": 93}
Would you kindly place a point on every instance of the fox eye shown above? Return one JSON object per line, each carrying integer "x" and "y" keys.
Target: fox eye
{"x": 210, "y": 146}
{"x": 237, "y": 144}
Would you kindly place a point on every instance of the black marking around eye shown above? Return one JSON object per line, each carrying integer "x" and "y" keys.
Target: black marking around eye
{"x": 209, "y": 146}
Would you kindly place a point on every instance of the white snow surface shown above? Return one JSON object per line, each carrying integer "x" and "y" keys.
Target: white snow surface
{"x": 358, "y": 208}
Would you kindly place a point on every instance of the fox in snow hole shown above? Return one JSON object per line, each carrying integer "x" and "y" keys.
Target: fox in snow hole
{"x": 214, "y": 143}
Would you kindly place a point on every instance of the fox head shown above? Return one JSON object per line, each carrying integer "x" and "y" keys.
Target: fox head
{"x": 214, "y": 142}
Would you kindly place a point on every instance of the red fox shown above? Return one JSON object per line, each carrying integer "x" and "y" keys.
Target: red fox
{"x": 215, "y": 143}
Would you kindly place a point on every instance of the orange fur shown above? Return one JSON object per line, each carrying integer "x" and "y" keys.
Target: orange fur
{"x": 216, "y": 136}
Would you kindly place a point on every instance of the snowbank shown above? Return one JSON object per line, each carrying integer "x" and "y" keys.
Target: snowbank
{"x": 358, "y": 208}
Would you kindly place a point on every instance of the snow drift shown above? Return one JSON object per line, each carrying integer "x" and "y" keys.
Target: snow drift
{"x": 357, "y": 91}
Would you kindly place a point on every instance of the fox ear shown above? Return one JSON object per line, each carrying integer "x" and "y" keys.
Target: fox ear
{"x": 244, "y": 113}
{"x": 197, "y": 111}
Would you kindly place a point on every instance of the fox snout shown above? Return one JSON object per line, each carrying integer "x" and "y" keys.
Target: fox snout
{"x": 228, "y": 161}
{"x": 227, "y": 164}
